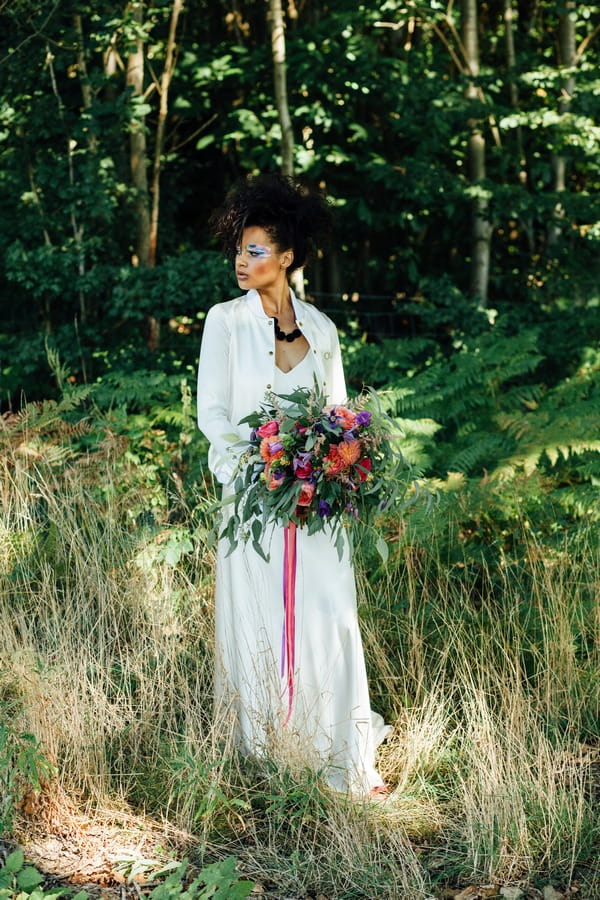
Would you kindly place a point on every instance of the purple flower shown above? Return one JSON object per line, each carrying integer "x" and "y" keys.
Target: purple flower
{"x": 352, "y": 510}
{"x": 363, "y": 418}
{"x": 324, "y": 508}
{"x": 275, "y": 447}
{"x": 349, "y": 436}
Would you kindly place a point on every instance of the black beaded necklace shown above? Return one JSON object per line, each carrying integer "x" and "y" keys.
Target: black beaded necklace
{"x": 282, "y": 336}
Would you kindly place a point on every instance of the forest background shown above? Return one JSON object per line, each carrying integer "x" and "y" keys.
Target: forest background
{"x": 458, "y": 145}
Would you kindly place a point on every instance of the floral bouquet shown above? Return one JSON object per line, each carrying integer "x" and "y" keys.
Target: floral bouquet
{"x": 319, "y": 466}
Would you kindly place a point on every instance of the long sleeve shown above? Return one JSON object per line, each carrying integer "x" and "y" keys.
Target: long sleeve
{"x": 213, "y": 397}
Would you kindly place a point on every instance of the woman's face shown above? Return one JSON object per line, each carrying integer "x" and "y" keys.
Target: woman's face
{"x": 259, "y": 263}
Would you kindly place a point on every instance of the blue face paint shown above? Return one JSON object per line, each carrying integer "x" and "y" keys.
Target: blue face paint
{"x": 255, "y": 251}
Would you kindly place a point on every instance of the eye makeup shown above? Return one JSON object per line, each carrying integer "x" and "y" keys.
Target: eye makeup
{"x": 257, "y": 251}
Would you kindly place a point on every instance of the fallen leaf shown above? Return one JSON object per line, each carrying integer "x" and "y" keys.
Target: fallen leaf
{"x": 478, "y": 892}
{"x": 550, "y": 893}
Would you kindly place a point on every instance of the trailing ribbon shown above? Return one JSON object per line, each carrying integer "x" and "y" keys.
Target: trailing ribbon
{"x": 288, "y": 640}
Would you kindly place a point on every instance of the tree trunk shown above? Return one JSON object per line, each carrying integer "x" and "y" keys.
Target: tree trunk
{"x": 277, "y": 24}
{"x": 165, "y": 82}
{"x": 511, "y": 62}
{"x": 137, "y": 147}
{"x": 280, "y": 79}
{"x": 84, "y": 81}
{"x": 567, "y": 57}
{"x": 481, "y": 227}
{"x": 77, "y": 225}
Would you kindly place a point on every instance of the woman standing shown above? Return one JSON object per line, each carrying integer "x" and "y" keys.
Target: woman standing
{"x": 269, "y": 341}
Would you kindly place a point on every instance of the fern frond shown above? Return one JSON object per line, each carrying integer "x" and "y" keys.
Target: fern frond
{"x": 482, "y": 452}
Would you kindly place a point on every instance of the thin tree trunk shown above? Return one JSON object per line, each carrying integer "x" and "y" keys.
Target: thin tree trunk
{"x": 77, "y": 226}
{"x": 277, "y": 25}
{"x": 567, "y": 58}
{"x": 113, "y": 64}
{"x": 481, "y": 227}
{"x": 280, "y": 79}
{"x": 511, "y": 62}
{"x": 165, "y": 83}
{"x": 84, "y": 81}
{"x": 137, "y": 147}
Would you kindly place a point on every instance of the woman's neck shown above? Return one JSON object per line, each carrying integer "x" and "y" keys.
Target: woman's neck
{"x": 277, "y": 301}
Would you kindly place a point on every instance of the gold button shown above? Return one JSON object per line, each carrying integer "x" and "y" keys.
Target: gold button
{"x": 270, "y": 353}
{"x": 300, "y": 324}
{"x": 268, "y": 387}
{"x": 327, "y": 355}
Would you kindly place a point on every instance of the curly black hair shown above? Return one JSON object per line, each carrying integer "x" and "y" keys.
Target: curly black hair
{"x": 292, "y": 216}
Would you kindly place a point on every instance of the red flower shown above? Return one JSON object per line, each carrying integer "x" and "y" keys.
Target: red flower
{"x": 303, "y": 471}
{"x": 364, "y": 463}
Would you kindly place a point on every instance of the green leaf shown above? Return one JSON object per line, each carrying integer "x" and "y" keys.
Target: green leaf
{"x": 258, "y": 549}
{"x": 205, "y": 141}
{"x": 29, "y": 878}
{"x": 14, "y": 861}
{"x": 382, "y": 549}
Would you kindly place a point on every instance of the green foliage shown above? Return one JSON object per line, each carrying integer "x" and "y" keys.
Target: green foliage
{"x": 23, "y": 767}
{"x": 219, "y": 880}
{"x": 197, "y": 791}
{"x": 20, "y": 881}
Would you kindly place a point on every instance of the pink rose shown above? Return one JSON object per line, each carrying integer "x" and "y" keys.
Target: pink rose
{"x": 268, "y": 429}
{"x": 306, "y": 494}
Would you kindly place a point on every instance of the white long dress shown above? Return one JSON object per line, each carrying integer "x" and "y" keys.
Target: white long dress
{"x": 331, "y": 728}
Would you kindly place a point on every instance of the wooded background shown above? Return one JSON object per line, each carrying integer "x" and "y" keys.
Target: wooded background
{"x": 457, "y": 144}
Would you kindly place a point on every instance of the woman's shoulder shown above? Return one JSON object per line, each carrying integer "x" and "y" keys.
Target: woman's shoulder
{"x": 225, "y": 308}
{"x": 314, "y": 314}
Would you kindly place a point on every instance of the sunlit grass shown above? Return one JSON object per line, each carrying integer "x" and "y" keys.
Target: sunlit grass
{"x": 491, "y": 685}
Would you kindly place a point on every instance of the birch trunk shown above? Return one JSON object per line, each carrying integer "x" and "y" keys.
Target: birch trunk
{"x": 277, "y": 25}
{"x": 481, "y": 227}
{"x": 280, "y": 81}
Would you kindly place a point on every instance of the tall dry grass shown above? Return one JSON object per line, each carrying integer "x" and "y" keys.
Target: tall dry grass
{"x": 490, "y": 680}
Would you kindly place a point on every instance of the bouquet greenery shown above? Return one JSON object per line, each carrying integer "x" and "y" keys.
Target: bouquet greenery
{"x": 317, "y": 465}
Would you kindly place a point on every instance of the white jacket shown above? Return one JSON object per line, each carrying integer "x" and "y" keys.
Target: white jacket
{"x": 237, "y": 369}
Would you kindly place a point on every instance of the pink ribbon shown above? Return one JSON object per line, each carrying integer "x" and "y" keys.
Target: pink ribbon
{"x": 288, "y": 640}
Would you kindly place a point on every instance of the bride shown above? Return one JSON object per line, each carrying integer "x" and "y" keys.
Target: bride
{"x": 267, "y": 340}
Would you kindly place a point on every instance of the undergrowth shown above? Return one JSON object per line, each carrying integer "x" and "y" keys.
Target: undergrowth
{"x": 481, "y": 636}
